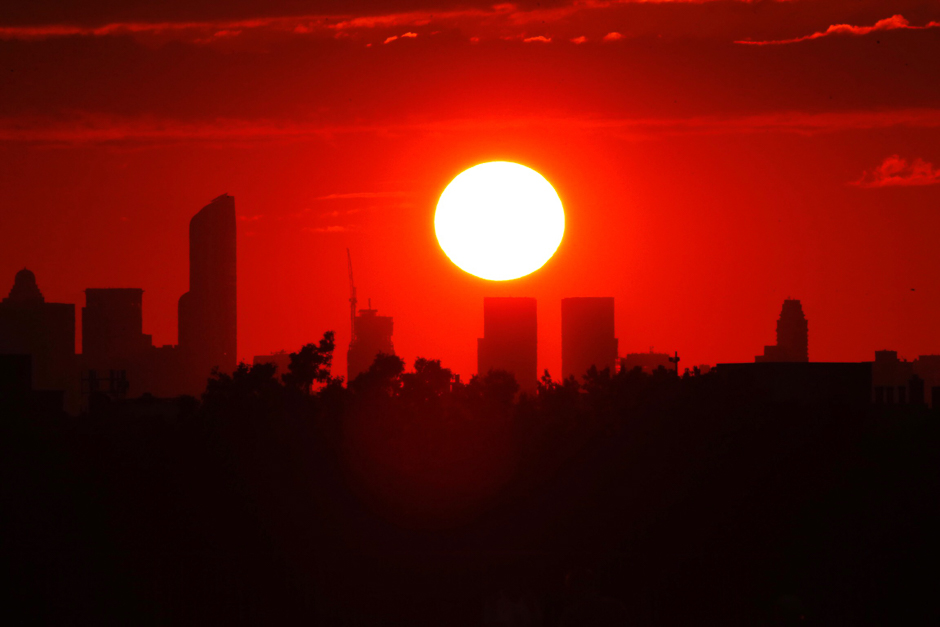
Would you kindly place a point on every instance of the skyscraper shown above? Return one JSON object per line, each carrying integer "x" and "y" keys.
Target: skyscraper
{"x": 207, "y": 312}
{"x": 45, "y": 331}
{"x": 113, "y": 340}
{"x": 587, "y": 336}
{"x": 112, "y": 324}
{"x": 372, "y": 334}
{"x": 510, "y": 340}
{"x": 792, "y": 336}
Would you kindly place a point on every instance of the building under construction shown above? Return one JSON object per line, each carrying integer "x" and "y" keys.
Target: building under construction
{"x": 371, "y": 333}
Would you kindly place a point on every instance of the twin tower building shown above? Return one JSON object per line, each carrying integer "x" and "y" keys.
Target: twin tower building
{"x": 510, "y": 338}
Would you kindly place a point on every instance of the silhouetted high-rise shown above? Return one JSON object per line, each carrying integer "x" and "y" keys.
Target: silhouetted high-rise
{"x": 207, "y": 312}
{"x": 587, "y": 336}
{"x": 45, "y": 331}
{"x": 372, "y": 334}
{"x": 510, "y": 340}
{"x": 792, "y": 336}
{"x": 112, "y": 325}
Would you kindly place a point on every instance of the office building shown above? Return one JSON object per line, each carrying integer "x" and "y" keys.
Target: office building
{"x": 112, "y": 325}
{"x": 587, "y": 336}
{"x": 510, "y": 340}
{"x": 207, "y": 312}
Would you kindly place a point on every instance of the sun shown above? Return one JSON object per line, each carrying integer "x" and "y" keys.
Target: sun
{"x": 499, "y": 221}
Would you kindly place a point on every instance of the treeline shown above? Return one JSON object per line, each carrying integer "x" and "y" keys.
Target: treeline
{"x": 406, "y": 497}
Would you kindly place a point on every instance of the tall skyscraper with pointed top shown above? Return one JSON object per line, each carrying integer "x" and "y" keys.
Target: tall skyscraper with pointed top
{"x": 208, "y": 325}
{"x": 45, "y": 331}
{"x": 792, "y": 336}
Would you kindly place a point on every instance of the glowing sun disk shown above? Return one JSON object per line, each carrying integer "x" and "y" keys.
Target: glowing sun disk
{"x": 499, "y": 220}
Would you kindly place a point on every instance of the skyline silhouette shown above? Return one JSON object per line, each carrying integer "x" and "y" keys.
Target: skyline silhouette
{"x": 120, "y": 357}
{"x": 44, "y": 331}
{"x": 703, "y": 180}
{"x": 410, "y": 496}
{"x": 643, "y": 328}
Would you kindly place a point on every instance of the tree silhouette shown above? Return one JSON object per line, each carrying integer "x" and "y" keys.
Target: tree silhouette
{"x": 310, "y": 365}
{"x": 382, "y": 379}
{"x": 249, "y": 390}
{"x": 496, "y": 388}
{"x": 428, "y": 381}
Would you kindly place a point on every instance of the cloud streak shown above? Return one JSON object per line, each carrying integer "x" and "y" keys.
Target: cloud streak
{"x": 897, "y": 172}
{"x": 47, "y": 31}
{"x": 895, "y": 22}
{"x": 102, "y": 130}
{"x": 360, "y": 195}
{"x": 489, "y": 21}
{"x": 328, "y": 229}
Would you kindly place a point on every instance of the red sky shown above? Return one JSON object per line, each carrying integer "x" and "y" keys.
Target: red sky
{"x": 714, "y": 158}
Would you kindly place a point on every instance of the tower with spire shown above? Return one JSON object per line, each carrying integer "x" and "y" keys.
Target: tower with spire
{"x": 44, "y": 331}
{"x": 792, "y": 336}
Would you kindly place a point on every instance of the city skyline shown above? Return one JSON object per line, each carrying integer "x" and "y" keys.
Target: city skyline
{"x": 537, "y": 313}
{"x": 112, "y": 335}
{"x": 703, "y": 180}
{"x": 113, "y": 340}
{"x": 549, "y": 319}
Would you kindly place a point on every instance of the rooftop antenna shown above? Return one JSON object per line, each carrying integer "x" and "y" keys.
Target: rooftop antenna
{"x": 675, "y": 360}
{"x": 352, "y": 297}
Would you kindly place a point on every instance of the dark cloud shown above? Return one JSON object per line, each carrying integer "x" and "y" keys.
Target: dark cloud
{"x": 240, "y": 77}
{"x": 98, "y": 12}
{"x": 148, "y": 131}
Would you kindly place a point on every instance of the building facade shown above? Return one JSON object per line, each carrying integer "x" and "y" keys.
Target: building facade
{"x": 792, "y": 336}
{"x": 208, "y": 323}
{"x": 372, "y": 334}
{"x": 587, "y": 336}
{"x": 44, "y": 331}
{"x": 510, "y": 340}
{"x": 112, "y": 324}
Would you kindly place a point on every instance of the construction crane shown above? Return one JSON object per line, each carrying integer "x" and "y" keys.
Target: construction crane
{"x": 352, "y": 298}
